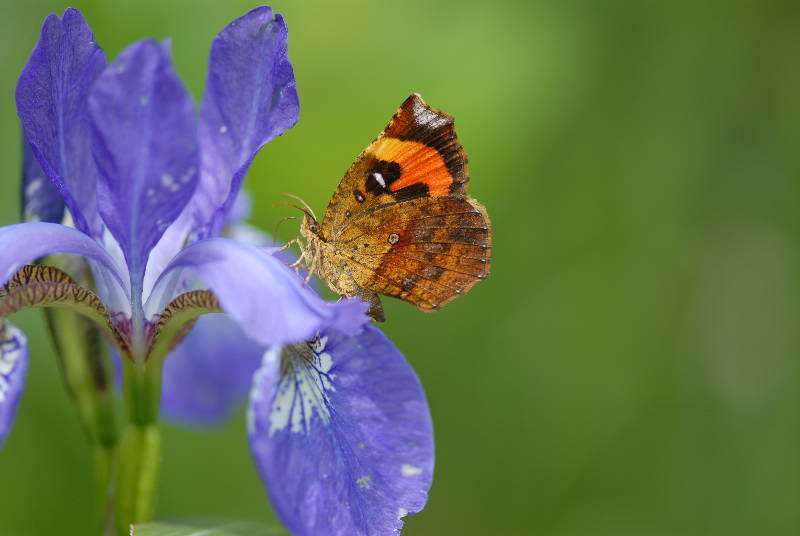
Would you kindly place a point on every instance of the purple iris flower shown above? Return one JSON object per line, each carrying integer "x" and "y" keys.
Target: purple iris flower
{"x": 120, "y": 170}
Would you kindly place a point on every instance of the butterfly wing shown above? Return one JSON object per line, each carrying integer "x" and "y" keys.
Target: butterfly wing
{"x": 426, "y": 251}
{"x": 401, "y": 222}
{"x": 416, "y": 155}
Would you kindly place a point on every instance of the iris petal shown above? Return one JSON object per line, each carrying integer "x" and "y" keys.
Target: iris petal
{"x": 51, "y": 102}
{"x": 145, "y": 148}
{"x": 250, "y": 98}
{"x": 263, "y": 295}
{"x": 41, "y": 200}
{"x": 208, "y": 375}
{"x": 13, "y": 364}
{"x": 342, "y": 436}
{"x": 23, "y": 243}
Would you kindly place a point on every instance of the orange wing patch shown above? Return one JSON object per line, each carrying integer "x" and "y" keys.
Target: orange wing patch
{"x": 418, "y": 163}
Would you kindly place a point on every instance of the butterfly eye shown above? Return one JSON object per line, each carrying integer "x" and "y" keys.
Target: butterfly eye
{"x": 313, "y": 227}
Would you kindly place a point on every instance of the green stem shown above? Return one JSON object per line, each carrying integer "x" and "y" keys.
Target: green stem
{"x": 140, "y": 453}
{"x": 84, "y": 365}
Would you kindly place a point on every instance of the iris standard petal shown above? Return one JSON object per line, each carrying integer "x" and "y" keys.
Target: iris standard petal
{"x": 342, "y": 436}
{"x": 41, "y": 201}
{"x": 13, "y": 364}
{"x": 265, "y": 297}
{"x": 209, "y": 374}
{"x": 23, "y": 243}
{"x": 51, "y": 102}
{"x": 250, "y": 98}
{"x": 145, "y": 147}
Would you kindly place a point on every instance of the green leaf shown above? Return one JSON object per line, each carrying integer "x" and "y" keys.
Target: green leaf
{"x": 204, "y": 528}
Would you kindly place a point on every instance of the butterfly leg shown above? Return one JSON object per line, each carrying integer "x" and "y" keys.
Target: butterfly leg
{"x": 313, "y": 266}
{"x": 290, "y": 243}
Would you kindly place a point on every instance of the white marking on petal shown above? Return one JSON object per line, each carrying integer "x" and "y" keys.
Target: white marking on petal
{"x": 33, "y": 186}
{"x": 410, "y": 470}
{"x": 301, "y": 391}
{"x": 186, "y": 177}
{"x": 10, "y": 354}
{"x": 255, "y": 392}
{"x": 320, "y": 344}
{"x": 401, "y": 513}
{"x": 365, "y": 481}
{"x": 223, "y": 129}
{"x": 169, "y": 182}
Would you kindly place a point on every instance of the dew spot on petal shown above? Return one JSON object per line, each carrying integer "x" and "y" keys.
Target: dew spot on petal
{"x": 410, "y": 470}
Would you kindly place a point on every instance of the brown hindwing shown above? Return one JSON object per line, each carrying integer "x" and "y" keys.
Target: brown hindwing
{"x": 428, "y": 251}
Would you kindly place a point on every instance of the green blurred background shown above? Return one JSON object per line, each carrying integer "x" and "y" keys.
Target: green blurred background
{"x": 630, "y": 368}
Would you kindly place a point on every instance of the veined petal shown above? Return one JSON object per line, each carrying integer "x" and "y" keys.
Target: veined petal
{"x": 13, "y": 364}
{"x": 342, "y": 436}
{"x": 250, "y": 98}
{"x": 51, "y": 102}
{"x": 145, "y": 147}
{"x": 41, "y": 200}
{"x": 209, "y": 373}
{"x": 265, "y": 297}
{"x": 23, "y": 243}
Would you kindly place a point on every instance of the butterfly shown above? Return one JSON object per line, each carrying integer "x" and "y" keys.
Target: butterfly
{"x": 401, "y": 222}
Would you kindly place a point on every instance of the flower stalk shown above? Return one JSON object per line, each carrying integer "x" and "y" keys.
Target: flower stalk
{"x": 84, "y": 363}
{"x": 140, "y": 450}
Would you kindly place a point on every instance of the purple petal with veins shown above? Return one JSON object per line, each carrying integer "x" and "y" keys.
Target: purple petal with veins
{"x": 51, "y": 99}
{"x": 145, "y": 149}
{"x": 250, "y": 98}
{"x": 342, "y": 436}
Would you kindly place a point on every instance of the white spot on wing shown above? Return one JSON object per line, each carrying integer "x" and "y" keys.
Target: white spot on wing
{"x": 379, "y": 178}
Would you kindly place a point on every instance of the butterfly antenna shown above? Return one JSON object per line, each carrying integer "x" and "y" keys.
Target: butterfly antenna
{"x": 277, "y": 226}
{"x": 301, "y": 209}
{"x": 302, "y": 202}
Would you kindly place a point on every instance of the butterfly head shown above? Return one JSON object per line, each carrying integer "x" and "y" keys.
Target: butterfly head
{"x": 309, "y": 228}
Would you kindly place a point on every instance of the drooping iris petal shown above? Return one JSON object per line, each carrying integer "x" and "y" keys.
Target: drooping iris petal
{"x": 240, "y": 210}
{"x": 250, "y": 98}
{"x": 145, "y": 147}
{"x": 261, "y": 293}
{"x": 41, "y": 200}
{"x": 23, "y": 243}
{"x": 208, "y": 375}
{"x": 51, "y": 103}
{"x": 13, "y": 364}
{"x": 342, "y": 436}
